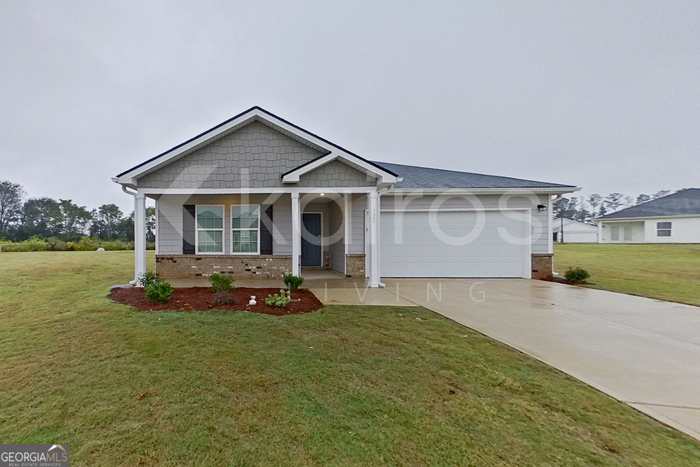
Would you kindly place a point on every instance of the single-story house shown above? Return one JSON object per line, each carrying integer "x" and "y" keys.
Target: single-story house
{"x": 257, "y": 196}
{"x": 671, "y": 219}
{"x": 574, "y": 232}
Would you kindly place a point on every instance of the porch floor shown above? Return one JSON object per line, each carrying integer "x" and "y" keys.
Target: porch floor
{"x": 329, "y": 286}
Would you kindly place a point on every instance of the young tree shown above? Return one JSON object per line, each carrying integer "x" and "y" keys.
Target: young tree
{"x": 594, "y": 200}
{"x": 565, "y": 207}
{"x": 11, "y": 195}
{"x": 613, "y": 201}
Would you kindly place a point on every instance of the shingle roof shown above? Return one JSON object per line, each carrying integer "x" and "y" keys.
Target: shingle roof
{"x": 683, "y": 203}
{"x": 424, "y": 177}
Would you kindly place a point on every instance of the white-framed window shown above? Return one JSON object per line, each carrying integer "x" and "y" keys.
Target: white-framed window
{"x": 615, "y": 233}
{"x": 245, "y": 229}
{"x": 663, "y": 229}
{"x": 627, "y": 233}
{"x": 209, "y": 222}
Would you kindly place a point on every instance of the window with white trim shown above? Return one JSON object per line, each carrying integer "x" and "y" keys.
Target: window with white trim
{"x": 663, "y": 229}
{"x": 615, "y": 233}
{"x": 210, "y": 229}
{"x": 627, "y": 233}
{"x": 245, "y": 229}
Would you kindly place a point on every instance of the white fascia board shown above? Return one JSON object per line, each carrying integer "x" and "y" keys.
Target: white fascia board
{"x": 481, "y": 191}
{"x": 384, "y": 177}
{"x": 626, "y": 219}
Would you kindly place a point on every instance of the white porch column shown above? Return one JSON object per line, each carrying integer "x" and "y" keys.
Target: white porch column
{"x": 139, "y": 235}
{"x": 296, "y": 235}
{"x": 347, "y": 211}
{"x": 374, "y": 239}
{"x": 550, "y": 227}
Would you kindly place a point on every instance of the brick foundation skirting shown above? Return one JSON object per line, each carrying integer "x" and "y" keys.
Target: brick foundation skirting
{"x": 542, "y": 265}
{"x": 355, "y": 265}
{"x": 239, "y": 266}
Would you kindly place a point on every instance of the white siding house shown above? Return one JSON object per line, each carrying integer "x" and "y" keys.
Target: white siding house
{"x": 574, "y": 232}
{"x": 672, "y": 219}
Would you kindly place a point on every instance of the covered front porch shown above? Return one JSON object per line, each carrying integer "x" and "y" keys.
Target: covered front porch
{"x": 261, "y": 235}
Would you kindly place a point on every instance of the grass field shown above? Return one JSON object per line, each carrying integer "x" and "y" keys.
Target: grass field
{"x": 666, "y": 272}
{"x": 342, "y": 386}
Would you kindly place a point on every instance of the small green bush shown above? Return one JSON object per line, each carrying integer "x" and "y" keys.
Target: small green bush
{"x": 160, "y": 291}
{"x": 576, "y": 274}
{"x": 279, "y": 301}
{"x": 221, "y": 283}
{"x": 147, "y": 279}
{"x": 56, "y": 245}
{"x": 293, "y": 282}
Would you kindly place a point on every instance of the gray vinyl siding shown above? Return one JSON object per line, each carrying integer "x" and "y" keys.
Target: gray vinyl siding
{"x": 356, "y": 245}
{"x": 336, "y": 174}
{"x": 540, "y": 234}
{"x": 169, "y": 228}
{"x": 282, "y": 220}
{"x": 337, "y": 249}
{"x": 253, "y": 156}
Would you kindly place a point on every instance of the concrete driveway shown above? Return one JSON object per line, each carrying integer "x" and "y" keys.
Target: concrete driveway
{"x": 643, "y": 352}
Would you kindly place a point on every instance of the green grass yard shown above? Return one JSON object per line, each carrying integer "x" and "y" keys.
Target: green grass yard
{"x": 666, "y": 272}
{"x": 342, "y": 386}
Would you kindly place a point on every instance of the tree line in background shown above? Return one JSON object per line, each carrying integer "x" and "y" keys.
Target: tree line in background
{"x": 585, "y": 209}
{"x": 22, "y": 219}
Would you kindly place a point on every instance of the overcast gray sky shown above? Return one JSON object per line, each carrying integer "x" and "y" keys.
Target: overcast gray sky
{"x": 604, "y": 95}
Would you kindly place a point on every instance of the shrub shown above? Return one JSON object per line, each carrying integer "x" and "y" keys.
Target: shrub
{"x": 224, "y": 298}
{"x": 160, "y": 291}
{"x": 279, "y": 301}
{"x": 293, "y": 282}
{"x": 56, "y": 245}
{"x": 576, "y": 274}
{"x": 147, "y": 279}
{"x": 221, "y": 283}
{"x": 25, "y": 247}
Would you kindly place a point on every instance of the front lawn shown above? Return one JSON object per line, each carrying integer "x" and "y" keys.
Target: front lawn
{"x": 341, "y": 386}
{"x": 666, "y": 272}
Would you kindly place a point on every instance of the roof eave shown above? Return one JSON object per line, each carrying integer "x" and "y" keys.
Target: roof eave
{"x": 164, "y": 158}
{"x": 555, "y": 190}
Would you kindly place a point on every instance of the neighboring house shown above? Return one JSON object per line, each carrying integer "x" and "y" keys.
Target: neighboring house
{"x": 672, "y": 219}
{"x": 574, "y": 232}
{"x": 258, "y": 196}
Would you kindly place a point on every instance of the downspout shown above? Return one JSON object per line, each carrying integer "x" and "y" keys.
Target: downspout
{"x": 132, "y": 193}
{"x": 557, "y": 197}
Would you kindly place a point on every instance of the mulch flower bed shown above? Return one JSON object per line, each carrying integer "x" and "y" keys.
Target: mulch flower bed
{"x": 202, "y": 299}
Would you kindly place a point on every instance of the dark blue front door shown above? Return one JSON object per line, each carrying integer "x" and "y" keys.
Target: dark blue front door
{"x": 311, "y": 240}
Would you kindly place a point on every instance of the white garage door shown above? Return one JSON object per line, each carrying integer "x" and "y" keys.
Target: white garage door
{"x": 409, "y": 247}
